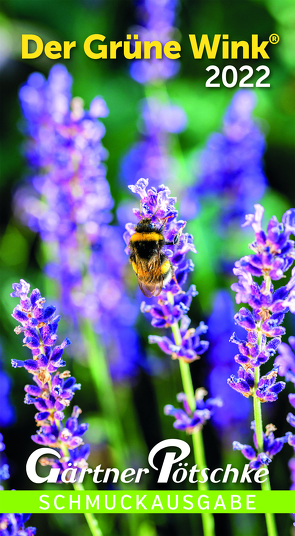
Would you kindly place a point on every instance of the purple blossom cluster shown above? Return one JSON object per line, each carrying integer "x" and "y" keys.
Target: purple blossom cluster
{"x": 68, "y": 201}
{"x": 14, "y": 525}
{"x": 192, "y": 421}
{"x": 273, "y": 255}
{"x": 271, "y": 446}
{"x": 191, "y": 344}
{"x": 286, "y": 363}
{"x": 156, "y": 21}
{"x": 173, "y": 303}
{"x": 52, "y": 390}
{"x": 267, "y": 389}
{"x": 4, "y": 467}
{"x": 150, "y": 156}
{"x": 230, "y": 166}
{"x": 7, "y": 414}
{"x": 235, "y": 413}
{"x": 66, "y": 156}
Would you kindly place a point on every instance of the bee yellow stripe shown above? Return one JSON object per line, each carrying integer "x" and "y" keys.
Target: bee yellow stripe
{"x": 165, "y": 267}
{"x": 141, "y": 237}
{"x": 134, "y": 267}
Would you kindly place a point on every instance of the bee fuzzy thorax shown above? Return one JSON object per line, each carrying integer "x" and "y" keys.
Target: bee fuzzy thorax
{"x": 143, "y": 236}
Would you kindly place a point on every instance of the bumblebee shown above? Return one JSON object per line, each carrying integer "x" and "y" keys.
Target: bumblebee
{"x": 152, "y": 267}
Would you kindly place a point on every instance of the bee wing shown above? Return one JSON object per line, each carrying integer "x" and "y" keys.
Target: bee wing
{"x": 151, "y": 289}
{"x": 149, "y": 275}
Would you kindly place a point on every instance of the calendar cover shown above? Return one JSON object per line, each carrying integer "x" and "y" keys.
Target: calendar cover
{"x": 147, "y": 248}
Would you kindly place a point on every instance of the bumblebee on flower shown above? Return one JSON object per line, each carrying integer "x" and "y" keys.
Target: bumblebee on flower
{"x": 152, "y": 267}
{"x": 158, "y": 216}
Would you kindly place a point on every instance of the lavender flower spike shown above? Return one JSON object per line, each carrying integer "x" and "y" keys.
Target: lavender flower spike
{"x": 67, "y": 199}
{"x": 273, "y": 254}
{"x": 52, "y": 390}
{"x": 173, "y": 302}
{"x": 169, "y": 246}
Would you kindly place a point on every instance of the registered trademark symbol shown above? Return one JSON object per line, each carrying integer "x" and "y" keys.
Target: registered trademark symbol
{"x": 274, "y": 39}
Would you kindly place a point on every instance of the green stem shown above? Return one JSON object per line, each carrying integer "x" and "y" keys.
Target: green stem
{"x": 107, "y": 401}
{"x": 102, "y": 382}
{"x": 104, "y": 392}
{"x": 91, "y": 520}
{"x": 257, "y": 411}
{"x": 265, "y": 486}
{"x": 197, "y": 438}
{"x": 186, "y": 377}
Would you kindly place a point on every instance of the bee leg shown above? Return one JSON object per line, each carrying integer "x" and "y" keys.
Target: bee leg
{"x": 176, "y": 238}
{"x": 174, "y": 241}
{"x": 175, "y": 280}
{"x": 165, "y": 222}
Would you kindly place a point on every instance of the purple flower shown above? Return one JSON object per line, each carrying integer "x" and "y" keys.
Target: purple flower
{"x": 267, "y": 388}
{"x": 286, "y": 362}
{"x": 191, "y": 348}
{"x": 253, "y": 354}
{"x": 236, "y": 409}
{"x": 156, "y": 21}
{"x": 271, "y": 446}
{"x": 191, "y": 421}
{"x": 243, "y": 383}
{"x": 151, "y": 155}
{"x": 68, "y": 201}
{"x": 14, "y": 525}
{"x": 7, "y": 414}
{"x": 230, "y": 166}
{"x": 4, "y": 467}
{"x": 52, "y": 390}
{"x": 273, "y": 250}
{"x": 173, "y": 302}
{"x": 273, "y": 256}
{"x": 292, "y": 471}
{"x": 20, "y": 290}
{"x": 66, "y": 157}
